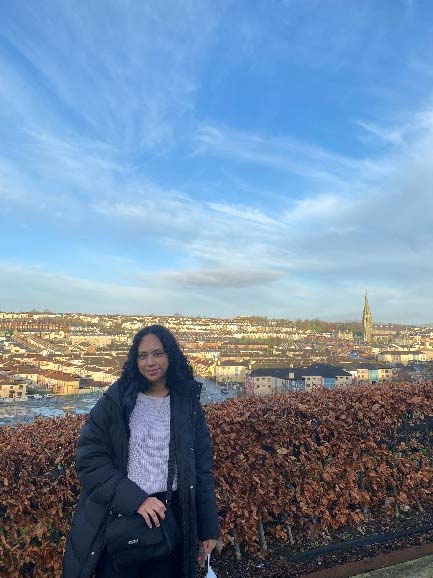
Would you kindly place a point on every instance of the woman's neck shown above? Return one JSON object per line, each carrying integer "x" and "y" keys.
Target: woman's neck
{"x": 158, "y": 390}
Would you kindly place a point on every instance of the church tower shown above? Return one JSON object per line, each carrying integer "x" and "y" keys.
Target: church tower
{"x": 367, "y": 322}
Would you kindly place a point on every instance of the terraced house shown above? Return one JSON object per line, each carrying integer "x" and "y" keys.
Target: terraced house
{"x": 269, "y": 380}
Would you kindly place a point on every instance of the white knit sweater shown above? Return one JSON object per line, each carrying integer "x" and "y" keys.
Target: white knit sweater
{"x": 148, "y": 443}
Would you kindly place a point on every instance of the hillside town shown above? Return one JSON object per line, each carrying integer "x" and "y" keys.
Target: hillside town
{"x": 55, "y": 354}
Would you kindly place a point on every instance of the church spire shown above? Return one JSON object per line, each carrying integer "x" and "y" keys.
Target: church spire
{"x": 367, "y": 321}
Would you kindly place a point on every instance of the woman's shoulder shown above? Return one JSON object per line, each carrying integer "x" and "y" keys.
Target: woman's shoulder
{"x": 114, "y": 392}
{"x": 110, "y": 398}
{"x": 190, "y": 388}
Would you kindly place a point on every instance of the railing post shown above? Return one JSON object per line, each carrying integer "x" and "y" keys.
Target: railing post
{"x": 262, "y": 537}
{"x": 236, "y": 545}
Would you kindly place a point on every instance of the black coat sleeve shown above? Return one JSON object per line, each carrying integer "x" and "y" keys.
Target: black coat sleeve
{"x": 207, "y": 513}
{"x": 96, "y": 470}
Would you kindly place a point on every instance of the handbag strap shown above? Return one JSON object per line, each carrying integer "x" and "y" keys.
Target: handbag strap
{"x": 171, "y": 456}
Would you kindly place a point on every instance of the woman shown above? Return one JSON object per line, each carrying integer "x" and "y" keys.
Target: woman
{"x": 122, "y": 463}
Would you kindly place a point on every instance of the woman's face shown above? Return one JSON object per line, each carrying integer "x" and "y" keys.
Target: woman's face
{"x": 152, "y": 359}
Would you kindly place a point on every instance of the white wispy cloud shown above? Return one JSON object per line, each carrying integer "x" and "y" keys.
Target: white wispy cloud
{"x": 80, "y": 125}
{"x": 379, "y": 234}
{"x": 125, "y": 71}
{"x": 284, "y": 154}
{"x": 81, "y": 102}
{"x": 156, "y": 211}
{"x": 244, "y": 213}
{"x": 392, "y": 136}
{"x": 33, "y": 286}
{"x": 380, "y": 231}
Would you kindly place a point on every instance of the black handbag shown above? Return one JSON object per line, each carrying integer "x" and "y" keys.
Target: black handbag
{"x": 129, "y": 540}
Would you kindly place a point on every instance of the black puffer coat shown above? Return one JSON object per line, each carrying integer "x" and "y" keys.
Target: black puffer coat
{"x": 102, "y": 459}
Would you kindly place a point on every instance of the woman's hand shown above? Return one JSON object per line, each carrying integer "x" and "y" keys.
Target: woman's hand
{"x": 205, "y": 549}
{"x": 152, "y": 510}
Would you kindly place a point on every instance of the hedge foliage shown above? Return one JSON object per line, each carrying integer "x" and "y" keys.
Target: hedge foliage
{"x": 295, "y": 465}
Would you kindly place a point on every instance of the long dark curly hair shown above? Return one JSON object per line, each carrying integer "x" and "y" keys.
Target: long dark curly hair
{"x": 179, "y": 369}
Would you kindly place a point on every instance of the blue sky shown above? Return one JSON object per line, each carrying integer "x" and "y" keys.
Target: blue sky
{"x": 217, "y": 158}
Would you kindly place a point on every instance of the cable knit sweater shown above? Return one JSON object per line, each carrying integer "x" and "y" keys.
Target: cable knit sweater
{"x": 148, "y": 443}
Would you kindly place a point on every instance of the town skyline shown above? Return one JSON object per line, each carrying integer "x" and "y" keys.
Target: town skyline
{"x": 71, "y": 354}
{"x": 148, "y": 314}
